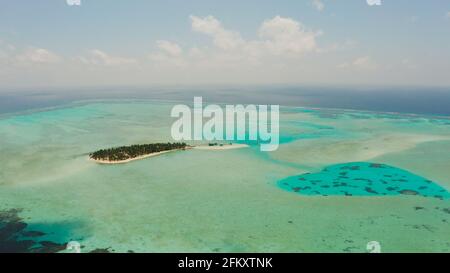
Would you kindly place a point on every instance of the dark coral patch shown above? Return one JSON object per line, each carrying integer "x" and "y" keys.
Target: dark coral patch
{"x": 362, "y": 179}
{"x": 16, "y": 236}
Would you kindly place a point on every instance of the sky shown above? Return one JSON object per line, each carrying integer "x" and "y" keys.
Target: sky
{"x": 151, "y": 42}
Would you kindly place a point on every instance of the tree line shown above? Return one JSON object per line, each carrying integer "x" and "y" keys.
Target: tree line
{"x": 133, "y": 151}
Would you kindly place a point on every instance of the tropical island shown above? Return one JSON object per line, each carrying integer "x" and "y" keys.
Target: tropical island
{"x": 125, "y": 154}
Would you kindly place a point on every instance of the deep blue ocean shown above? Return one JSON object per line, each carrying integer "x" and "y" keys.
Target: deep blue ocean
{"x": 428, "y": 101}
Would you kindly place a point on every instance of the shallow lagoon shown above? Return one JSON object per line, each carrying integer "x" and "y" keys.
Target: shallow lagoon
{"x": 218, "y": 201}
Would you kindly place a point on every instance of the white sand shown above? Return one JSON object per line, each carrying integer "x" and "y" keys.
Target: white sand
{"x": 220, "y": 148}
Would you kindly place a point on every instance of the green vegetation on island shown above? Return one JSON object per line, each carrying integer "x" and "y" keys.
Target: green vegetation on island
{"x": 134, "y": 151}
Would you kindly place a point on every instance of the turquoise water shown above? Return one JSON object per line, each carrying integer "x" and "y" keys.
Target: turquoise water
{"x": 363, "y": 179}
{"x": 220, "y": 201}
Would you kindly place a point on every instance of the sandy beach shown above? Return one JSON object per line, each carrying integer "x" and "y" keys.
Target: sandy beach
{"x": 220, "y": 148}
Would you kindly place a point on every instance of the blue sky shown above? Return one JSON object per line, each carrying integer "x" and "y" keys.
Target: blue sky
{"x": 323, "y": 42}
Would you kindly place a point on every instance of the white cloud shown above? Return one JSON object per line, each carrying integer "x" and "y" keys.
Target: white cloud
{"x": 278, "y": 36}
{"x": 168, "y": 54}
{"x": 169, "y": 48}
{"x": 285, "y": 35}
{"x": 223, "y": 38}
{"x": 319, "y": 5}
{"x": 26, "y": 59}
{"x": 98, "y": 57}
{"x": 448, "y": 14}
{"x": 37, "y": 55}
